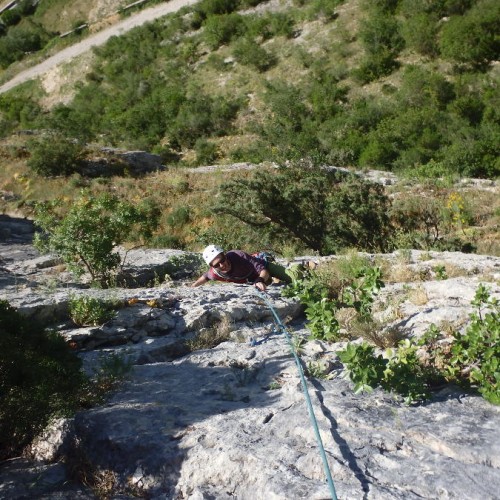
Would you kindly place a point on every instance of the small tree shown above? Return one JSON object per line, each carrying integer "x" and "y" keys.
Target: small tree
{"x": 39, "y": 378}
{"x": 320, "y": 208}
{"x": 55, "y": 155}
{"x": 86, "y": 236}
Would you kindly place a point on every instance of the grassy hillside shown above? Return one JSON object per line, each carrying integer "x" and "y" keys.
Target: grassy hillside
{"x": 387, "y": 84}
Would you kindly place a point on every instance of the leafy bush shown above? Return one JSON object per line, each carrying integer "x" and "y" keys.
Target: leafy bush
{"x": 414, "y": 367}
{"x": 379, "y": 33}
{"x": 322, "y": 209}
{"x": 473, "y": 359}
{"x": 55, "y": 155}
{"x": 400, "y": 371}
{"x": 18, "y": 41}
{"x": 11, "y": 17}
{"x": 250, "y": 53}
{"x": 179, "y": 216}
{"x": 219, "y": 30}
{"x": 39, "y": 379}
{"x": 322, "y": 300}
{"x": 85, "y": 237}
{"x": 207, "y": 152}
{"x": 420, "y": 33}
{"x": 89, "y": 311}
{"x": 473, "y": 38}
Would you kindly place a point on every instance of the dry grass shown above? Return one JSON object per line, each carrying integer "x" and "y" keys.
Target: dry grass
{"x": 207, "y": 338}
{"x": 418, "y": 296}
{"x": 401, "y": 274}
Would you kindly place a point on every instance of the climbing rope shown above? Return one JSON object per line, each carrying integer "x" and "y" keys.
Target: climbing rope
{"x": 314, "y": 422}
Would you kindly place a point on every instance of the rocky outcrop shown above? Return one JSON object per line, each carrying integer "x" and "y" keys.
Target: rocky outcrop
{"x": 231, "y": 421}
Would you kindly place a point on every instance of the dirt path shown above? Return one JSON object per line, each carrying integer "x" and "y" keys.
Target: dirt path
{"x": 98, "y": 39}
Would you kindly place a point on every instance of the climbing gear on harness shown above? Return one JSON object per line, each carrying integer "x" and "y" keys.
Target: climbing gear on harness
{"x": 314, "y": 422}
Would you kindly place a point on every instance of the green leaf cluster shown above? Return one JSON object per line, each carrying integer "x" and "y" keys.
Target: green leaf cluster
{"x": 40, "y": 378}
{"x": 55, "y": 155}
{"x": 322, "y": 303}
{"x": 474, "y": 358}
{"x": 87, "y": 235}
{"x": 411, "y": 369}
{"x": 399, "y": 371}
{"x": 89, "y": 311}
{"x": 324, "y": 210}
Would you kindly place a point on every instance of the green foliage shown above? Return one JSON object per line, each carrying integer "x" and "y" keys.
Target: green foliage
{"x": 399, "y": 371}
{"x": 207, "y": 152}
{"x": 221, "y": 29}
{"x": 318, "y": 207}
{"x": 18, "y": 41}
{"x": 361, "y": 292}
{"x": 472, "y": 39}
{"x": 364, "y": 368}
{"x": 420, "y": 32}
{"x": 55, "y": 155}
{"x": 89, "y": 311}
{"x": 86, "y": 236}
{"x": 382, "y": 41}
{"x": 440, "y": 272}
{"x": 179, "y": 216}
{"x": 474, "y": 357}
{"x": 321, "y": 320}
{"x": 19, "y": 110}
{"x": 414, "y": 366}
{"x": 145, "y": 90}
{"x": 248, "y": 52}
{"x": 39, "y": 379}
{"x": 322, "y": 299}
{"x": 11, "y": 17}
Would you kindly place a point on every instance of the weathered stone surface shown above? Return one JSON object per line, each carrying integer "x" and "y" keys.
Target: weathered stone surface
{"x": 53, "y": 441}
{"x": 209, "y": 423}
{"x": 231, "y": 422}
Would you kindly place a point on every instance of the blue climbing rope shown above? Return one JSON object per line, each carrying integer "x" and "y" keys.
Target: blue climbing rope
{"x": 314, "y": 422}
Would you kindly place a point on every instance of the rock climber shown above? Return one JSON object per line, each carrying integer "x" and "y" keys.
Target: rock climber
{"x": 236, "y": 266}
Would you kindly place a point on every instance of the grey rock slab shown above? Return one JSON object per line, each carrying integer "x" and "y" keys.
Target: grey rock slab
{"x": 207, "y": 424}
{"x": 23, "y": 479}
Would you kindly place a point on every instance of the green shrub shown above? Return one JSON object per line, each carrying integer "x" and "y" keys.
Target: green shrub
{"x": 55, "y": 155}
{"x": 18, "y": 41}
{"x": 217, "y": 7}
{"x": 179, "y": 217}
{"x": 200, "y": 116}
{"x": 307, "y": 203}
{"x": 89, "y": 311}
{"x": 39, "y": 379}
{"x": 414, "y": 367}
{"x": 220, "y": 30}
{"x": 86, "y": 236}
{"x": 472, "y": 39}
{"x": 207, "y": 152}
{"x": 379, "y": 33}
{"x": 421, "y": 88}
{"x": 474, "y": 357}
{"x": 11, "y": 17}
{"x": 250, "y": 53}
{"x": 322, "y": 299}
{"x": 420, "y": 33}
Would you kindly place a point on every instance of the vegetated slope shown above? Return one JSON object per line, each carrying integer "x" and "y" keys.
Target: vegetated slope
{"x": 387, "y": 84}
{"x": 372, "y": 84}
{"x": 342, "y": 83}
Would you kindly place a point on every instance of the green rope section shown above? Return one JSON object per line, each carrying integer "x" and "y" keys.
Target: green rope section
{"x": 314, "y": 422}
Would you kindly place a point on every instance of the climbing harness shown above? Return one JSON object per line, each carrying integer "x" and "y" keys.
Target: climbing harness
{"x": 314, "y": 422}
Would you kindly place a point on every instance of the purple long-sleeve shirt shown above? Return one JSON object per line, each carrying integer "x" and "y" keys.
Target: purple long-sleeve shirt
{"x": 244, "y": 268}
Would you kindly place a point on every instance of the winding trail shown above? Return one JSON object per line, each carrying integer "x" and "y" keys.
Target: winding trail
{"x": 94, "y": 40}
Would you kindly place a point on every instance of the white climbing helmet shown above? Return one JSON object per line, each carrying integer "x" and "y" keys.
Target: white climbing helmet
{"x": 211, "y": 252}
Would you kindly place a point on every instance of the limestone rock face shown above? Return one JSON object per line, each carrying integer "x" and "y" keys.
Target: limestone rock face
{"x": 231, "y": 421}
